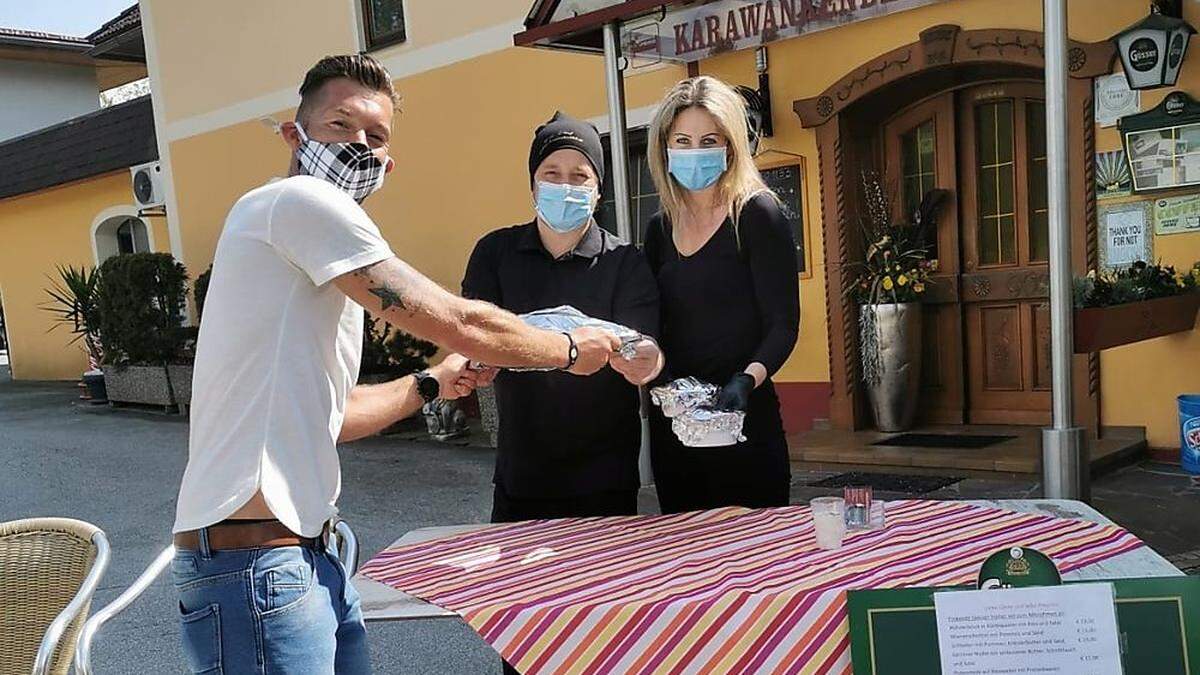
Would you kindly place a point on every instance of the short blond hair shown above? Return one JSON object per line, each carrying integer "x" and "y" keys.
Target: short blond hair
{"x": 741, "y": 182}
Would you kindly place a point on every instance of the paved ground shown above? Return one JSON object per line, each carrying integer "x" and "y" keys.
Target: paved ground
{"x": 120, "y": 470}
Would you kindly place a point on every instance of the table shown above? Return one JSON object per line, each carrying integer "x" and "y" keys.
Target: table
{"x": 384, "y": 603}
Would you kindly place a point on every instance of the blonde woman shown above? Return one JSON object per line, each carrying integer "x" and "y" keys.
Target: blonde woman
{"x": 724, "y": 258}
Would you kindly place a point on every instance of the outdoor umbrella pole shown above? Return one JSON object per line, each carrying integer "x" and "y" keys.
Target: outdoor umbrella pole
{"x": 1064, "y": 452}
{"x": 615, "y": 84}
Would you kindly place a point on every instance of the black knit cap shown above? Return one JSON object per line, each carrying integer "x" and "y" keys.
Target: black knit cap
{"x": 564, "y": 131}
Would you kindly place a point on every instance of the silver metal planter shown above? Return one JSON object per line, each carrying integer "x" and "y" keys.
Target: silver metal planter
{"x": 890, "y": 342}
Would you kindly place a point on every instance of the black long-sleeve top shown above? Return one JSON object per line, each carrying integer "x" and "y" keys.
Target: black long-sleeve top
{"x": 730, "y": 303}
{"x": 562, "y": 435}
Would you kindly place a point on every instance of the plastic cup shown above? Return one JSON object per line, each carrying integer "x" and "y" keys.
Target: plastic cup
{"x": 829, "y": 519}
{"x": 878, "y": 517}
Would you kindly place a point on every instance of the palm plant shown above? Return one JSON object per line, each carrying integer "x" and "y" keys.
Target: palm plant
{"x": 73, "y": 305}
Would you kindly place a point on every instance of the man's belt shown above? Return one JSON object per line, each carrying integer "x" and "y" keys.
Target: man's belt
{"x": 236, "y": 534}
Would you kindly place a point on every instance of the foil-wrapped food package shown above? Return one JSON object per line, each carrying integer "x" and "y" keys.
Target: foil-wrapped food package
{"x": 564, "y": 319}
{"x": 697, "y": 424}
{"x": 682, "y": 395}
{"x": 708, "y": 428}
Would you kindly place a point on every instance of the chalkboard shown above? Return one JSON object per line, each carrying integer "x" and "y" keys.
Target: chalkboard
{"x": 787, "y": 183}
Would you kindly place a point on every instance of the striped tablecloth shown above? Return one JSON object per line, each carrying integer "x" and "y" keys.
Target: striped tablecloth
{"x": 723, "y": 591}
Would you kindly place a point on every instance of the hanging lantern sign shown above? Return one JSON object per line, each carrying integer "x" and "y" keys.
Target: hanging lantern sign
{"x": 1153, "y": 49}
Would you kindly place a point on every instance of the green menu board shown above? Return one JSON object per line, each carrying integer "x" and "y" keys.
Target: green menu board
{"x": 894, "y": 632}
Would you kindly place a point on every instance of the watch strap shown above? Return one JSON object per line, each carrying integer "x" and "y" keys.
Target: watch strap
{"x": 572, "y": 352}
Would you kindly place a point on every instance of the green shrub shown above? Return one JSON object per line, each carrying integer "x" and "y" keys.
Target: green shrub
{"x": 200, "y": 292}
{"x": 392, "y": 353}
{"x": 141, "y": 299}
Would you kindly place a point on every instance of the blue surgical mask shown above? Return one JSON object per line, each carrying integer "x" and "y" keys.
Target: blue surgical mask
{"x": 696, "y": 169}
{"x": 565, "y": 208}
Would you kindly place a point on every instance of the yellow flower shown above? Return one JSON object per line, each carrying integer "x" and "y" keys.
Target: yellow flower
{"x": 918, "y": 287}
{"x": 887, "y": 283}
{"x": 933, "y": 265}
{"x": 902, "y": 280}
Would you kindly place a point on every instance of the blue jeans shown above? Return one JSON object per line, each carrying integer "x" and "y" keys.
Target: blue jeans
{"x": 268, "y": 611}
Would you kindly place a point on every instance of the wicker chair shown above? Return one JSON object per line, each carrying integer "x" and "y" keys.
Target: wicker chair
{"x": 49, "y": 568}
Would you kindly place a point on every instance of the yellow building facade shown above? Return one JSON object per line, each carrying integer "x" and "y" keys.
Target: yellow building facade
{"x": 66, "y": 193}
{"x": 45, "y": 229}
{"x": 471, "y": 100}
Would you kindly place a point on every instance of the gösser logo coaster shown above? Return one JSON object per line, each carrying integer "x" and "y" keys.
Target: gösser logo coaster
{"x": 1018, "y": 567}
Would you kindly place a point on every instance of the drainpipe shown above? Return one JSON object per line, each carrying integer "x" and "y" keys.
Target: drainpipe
{"x": 1065, "y": 465}
{"x": 614, "y": 65}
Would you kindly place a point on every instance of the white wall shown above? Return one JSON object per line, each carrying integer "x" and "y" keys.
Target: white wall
{"x": 37, "y": 95}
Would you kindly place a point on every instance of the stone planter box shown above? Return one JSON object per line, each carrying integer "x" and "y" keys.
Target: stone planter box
{"x": 1099, "y": 328}
{"x": 487, "y": 411}
{"x": 145, "y": 385}
{"x": 181, "y": 382}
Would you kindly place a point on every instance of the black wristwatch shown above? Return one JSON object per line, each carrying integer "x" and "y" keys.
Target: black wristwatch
{"x": 572, "y": 352}
{"x": 428, "y": 386}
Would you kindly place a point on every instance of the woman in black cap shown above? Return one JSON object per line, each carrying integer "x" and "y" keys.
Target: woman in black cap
{"x": 568, "y": 446}
{"x": 724, "y": 258}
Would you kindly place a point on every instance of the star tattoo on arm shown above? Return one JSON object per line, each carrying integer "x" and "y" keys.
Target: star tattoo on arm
{"x": 388, "y": 298}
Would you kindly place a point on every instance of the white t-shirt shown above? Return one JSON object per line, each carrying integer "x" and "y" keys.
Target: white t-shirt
{"x": 278, "y": 352}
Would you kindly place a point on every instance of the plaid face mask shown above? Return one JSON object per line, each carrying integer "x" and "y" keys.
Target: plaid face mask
{"x": 352, "y": 167}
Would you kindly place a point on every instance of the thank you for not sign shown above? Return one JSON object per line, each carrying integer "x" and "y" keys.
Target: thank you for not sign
{"x": 1052, "y": 630}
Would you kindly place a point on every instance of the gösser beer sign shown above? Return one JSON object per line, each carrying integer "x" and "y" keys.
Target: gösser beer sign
{"x": 1152, "y": 50}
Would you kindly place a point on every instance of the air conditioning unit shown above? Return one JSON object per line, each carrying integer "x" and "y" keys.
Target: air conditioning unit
{"x": 148, "y": 188}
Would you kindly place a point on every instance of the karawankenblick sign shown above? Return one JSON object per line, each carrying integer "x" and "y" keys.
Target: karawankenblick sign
{"x": 696, "y": 31}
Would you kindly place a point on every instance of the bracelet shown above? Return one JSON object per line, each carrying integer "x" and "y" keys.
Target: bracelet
{"x": 572, "y": 352}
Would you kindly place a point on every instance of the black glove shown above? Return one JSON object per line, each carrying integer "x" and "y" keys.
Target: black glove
{"x": 736, "y": 394}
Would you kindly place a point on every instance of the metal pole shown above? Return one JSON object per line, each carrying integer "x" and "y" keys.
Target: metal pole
{"x": 1064, "y": 454}
{"x": 615, "y": 84}
{"x": 619, "y": 175}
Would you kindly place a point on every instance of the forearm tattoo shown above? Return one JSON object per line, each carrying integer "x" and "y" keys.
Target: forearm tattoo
{"x": 388, "y": 298}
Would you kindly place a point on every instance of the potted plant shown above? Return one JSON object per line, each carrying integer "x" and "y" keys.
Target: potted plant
{"x": 140, "y": 298}
{"x": 73, "y": 305}
{"x": 1137, "y": 303}
{"x": 891, "y": 280}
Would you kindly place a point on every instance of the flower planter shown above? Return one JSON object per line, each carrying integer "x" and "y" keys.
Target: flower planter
{"x": 95, "y": 386}
{"x": 890, "y": 336}
{"x": 145, "y": 385}
{"x": 1099, "y": 328}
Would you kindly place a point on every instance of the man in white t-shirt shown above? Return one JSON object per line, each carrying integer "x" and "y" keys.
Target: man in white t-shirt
{"x": 274, "y": 386}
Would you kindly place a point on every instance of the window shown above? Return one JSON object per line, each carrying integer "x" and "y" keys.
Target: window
{"x": 643, "y": 196}
{"x": 121, "y": 235}
{"x": 918, "y": 152}
{"x": 996, "y": 170}
{"x": 1039, "y": 201}
{"x": 383, "y": 21}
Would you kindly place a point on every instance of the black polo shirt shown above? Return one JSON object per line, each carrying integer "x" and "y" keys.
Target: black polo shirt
{"x": 562, "y": 435}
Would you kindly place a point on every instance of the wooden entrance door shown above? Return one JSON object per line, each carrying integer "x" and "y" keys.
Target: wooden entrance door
{"x": 987, "y": 330}
{"x": 919, "y": 152}
{"x": 1005, "y": 248}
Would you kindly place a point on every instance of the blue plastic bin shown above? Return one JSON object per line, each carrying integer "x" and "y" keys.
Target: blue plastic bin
{"x": 1189, "y": 432}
